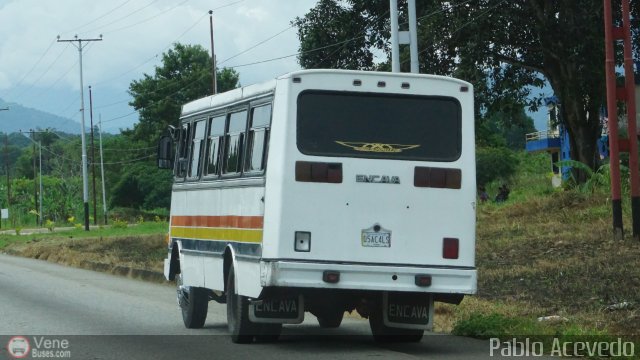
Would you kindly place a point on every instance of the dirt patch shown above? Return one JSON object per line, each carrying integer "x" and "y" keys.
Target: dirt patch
{"x": 139, "y": 256}
{"x": 556, "y": 255}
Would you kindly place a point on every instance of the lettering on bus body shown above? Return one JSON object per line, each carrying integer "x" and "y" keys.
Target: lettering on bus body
{"x": 378, "y": 179}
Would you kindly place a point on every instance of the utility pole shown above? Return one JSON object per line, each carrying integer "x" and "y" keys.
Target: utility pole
{"x": 104, "y": 193}
{"x": 40, "y": 164}
{"x": 36, "y": 195}
{"x": 35, "y": 185}
{"x": 85, "y": 184}
{"x": 213, "y": 56}
{"x": 6, "y": 163}
{"x": 404, "y": 37}
{"x": 93, "y": 160}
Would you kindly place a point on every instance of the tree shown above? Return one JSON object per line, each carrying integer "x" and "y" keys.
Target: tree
{"x": 329, "y": 23}
{"x": 504, "y": 48}
{"x": 185, "y": 75}
{"x": 512, "y": 128}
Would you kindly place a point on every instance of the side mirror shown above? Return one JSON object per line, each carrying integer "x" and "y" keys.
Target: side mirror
{"x": 165, "y": 153}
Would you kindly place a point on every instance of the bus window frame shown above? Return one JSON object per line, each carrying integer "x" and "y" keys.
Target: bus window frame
{"x": 186, "y": 123}
{"x": 210, "y": 117}
{"x": 243, "y": 134}
{"x": 265, "y": 150}
{"x": 193, "y": 122}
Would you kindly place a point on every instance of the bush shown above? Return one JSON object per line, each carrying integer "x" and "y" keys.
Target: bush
{"x": 494, "y": 164}
{"x": 486, "y": 326}
{"x": 119, "y": 224}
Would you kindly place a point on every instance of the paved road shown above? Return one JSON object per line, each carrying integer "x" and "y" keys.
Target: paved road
{"x": 110, "y": 317}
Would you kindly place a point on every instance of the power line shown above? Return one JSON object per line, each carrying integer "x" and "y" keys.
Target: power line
{"x": 99, "y": 17}
{"x": 44, "y": 73}
{"x": 32, "y": 68}
{"x": 155, "y": 55}
{"x": 122, "y": 18}
{"x": 145, "y": 20}
{"x": 131, "y": 161}
{"x": 468, "y": 22}
{"x": 256, "y": 45}
{"x": 57, "y": 80}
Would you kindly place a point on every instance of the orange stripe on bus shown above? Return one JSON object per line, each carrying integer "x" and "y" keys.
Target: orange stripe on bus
{"x": 230, "y": 221}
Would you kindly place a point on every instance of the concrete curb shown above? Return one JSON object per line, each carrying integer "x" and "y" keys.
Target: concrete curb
{"x": 120, "y": 270}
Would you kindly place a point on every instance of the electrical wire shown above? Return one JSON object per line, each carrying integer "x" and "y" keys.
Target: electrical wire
{"x": 45, "y": 72}
{"x": 32, "y": 68}
{"x": 98, "y": 18}
{"x": 465, "y": 24}
{"x": 122, "y": 18}
{"x": 145, "y": 20}
{"x": 256, "y": 45}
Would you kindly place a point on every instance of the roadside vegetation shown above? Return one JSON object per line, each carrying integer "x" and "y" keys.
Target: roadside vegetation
{"x": 544, "y": 253}
{"x": 548, "y": 264}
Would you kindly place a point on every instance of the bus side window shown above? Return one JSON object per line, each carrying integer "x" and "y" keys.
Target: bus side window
{"x": 258, "y": 138}
{"x": 234, "y": 141}
{"x": 214, "y": 145}
{"x": 196, "y": 148}
{"x": 183, "y": 151}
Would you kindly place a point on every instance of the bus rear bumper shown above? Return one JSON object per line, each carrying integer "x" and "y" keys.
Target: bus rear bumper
{"x": 367, "y": 277}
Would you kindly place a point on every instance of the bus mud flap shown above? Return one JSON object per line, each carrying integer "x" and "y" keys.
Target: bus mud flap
{"x": 408, "y": 310}
{"x": 280, "y": 310}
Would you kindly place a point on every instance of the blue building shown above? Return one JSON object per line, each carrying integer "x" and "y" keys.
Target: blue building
{"x": 555, "y": 141}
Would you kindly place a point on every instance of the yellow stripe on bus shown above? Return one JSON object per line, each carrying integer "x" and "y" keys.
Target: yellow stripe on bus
{"x": 239, "y": 235}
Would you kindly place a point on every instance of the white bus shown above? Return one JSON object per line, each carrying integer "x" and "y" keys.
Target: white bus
{"x": 324, "y": 191}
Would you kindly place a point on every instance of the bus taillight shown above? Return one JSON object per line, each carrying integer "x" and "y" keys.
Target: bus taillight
{"x": 307, "y": 171}
{"x": 450, "y": 248}
{"x": 440, "y": 178}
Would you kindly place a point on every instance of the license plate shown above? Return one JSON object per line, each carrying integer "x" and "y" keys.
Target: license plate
{"x": 376, "y": 236}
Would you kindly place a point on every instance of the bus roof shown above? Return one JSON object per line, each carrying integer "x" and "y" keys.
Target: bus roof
{"x": 255, "y": 90}
{"x": 228, "y": 97}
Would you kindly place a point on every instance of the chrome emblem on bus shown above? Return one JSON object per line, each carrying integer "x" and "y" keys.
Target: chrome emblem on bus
{"x": 378, "y": 179}
{"x": 377, "y": 147}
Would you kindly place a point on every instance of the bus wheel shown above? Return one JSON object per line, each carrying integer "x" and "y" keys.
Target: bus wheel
{"x": 330, "y": 319}
{"x": 194, "y": 303}
{"x": 269, "y": 333}
{"x": 385, "y": 334}
{"x": 242, "y": 330}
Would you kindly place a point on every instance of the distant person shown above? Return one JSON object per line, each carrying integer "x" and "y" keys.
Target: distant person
{"x": 503, "y": 194}
{"x": 482, "y": 194}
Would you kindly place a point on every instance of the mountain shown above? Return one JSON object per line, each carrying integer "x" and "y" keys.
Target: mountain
{"x": 23, "y": 118}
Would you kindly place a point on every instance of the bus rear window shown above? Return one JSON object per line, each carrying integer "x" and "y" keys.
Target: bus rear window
{"x": 379, "y": 126}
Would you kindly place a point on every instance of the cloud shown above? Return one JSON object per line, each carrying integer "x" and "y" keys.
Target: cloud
{"x": 135, "y": 34}
{"x": 256, "y": 13}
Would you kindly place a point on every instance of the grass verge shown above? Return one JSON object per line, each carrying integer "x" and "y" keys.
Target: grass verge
{"x": 136, "y": 251}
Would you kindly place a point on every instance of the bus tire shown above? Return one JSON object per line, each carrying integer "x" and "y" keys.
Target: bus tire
{"x": 330, "y": 319}
{"x": 385, "y": 334}
{"x": 242, "y": 330}
{"x": 194, "y": 304}
{"x": 269, "y": 333}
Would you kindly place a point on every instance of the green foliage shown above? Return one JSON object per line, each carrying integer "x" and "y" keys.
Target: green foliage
{"x": 185, "y": 75}
{"x": 486, "y": 326}
{"x": 119, "y": 224}
{"x": 505, "y": 49}
{"x": 599, "y": 180}
{"x": 495, "y": 164}
{"x": 509, "y": 128}
{"x": 51, "y": 226}
{"x": 331, "y": 23}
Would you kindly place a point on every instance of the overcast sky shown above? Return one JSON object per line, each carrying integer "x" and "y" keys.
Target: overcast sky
{"x": 38, "y": 72}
